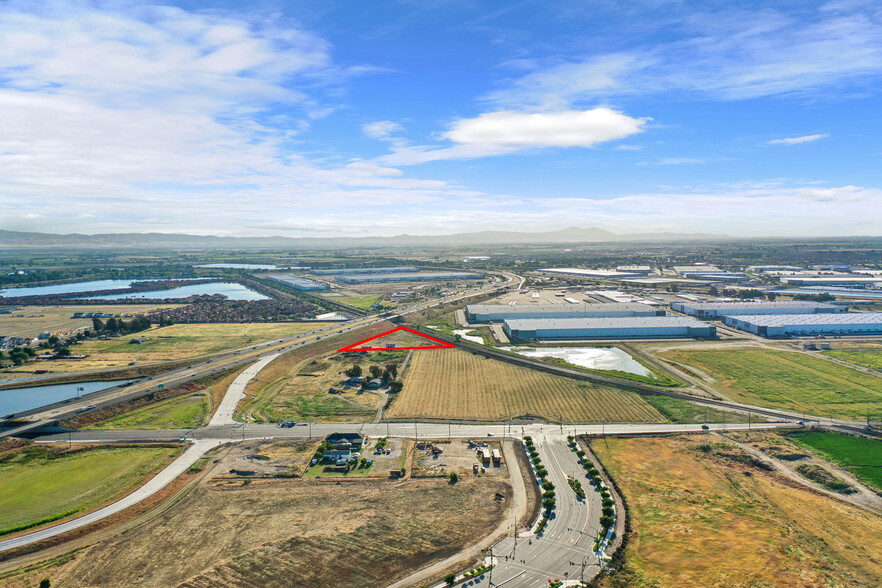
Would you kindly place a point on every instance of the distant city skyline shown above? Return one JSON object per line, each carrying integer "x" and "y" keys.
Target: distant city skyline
{"x": 343, "y": 119}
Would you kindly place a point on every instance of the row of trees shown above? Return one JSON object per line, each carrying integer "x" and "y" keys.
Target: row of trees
{"x": 119, "y": 326}
{"x": 387, "y": 374}
{"x": 18, "y": 355}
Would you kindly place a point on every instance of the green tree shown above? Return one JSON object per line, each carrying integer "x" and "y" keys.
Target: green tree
{"x": 392, "y": 370}
{"x": 395, "y": 387}
{"x": 45, "y": 583}
{"x": 450, "y": 579}
{"x": 454, "y": 477}
{"x": 98, "y": 325}
{"x": 376, "y": 371}
{"x": 63, "y": 352}
{"x": 354, "y": 371}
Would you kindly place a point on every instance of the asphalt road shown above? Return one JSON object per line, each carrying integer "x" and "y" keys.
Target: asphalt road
{"x": 567, "y": 542}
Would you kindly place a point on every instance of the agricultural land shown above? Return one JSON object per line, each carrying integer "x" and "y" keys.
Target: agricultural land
{"x": 170, "y": 343}
{"x": 455, "y": 384}
{"x": 704, "y": 513}
{"x": 290, "y": 532}
{"x": 42, "y": 484}
{"x": 793, "y": 381}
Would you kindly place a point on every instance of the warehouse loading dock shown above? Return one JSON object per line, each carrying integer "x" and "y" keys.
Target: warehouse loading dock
{"x": 580, "y": 329}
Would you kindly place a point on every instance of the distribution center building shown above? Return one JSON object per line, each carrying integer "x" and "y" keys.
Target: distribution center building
{"x": 783, "y": 325}
{"x": 302, "y": 284}
{"x": 494, "y": 313}
{"x": 363, "y": 270}
{"x": 577, "y": 329}
{"x": 715, "y": 310}
{"x": 407, "y": 277}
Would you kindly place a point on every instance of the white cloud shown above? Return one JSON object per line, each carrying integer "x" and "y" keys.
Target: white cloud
{"x": 557, "y": 86}
{"x": 797, "y": 140}
{"x": 497, "y": 133}
{"x": 729, "y": 54}
{"x": 157, "y": 116}
{"x": 381, "y": 129}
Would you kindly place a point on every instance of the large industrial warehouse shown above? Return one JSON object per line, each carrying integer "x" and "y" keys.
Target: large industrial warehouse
{"x": 406, "y": 277}
{"x": 577, "y": 329}
{"x": 783, "y": 325}
{"x": 495, "y": 313}
{"x": 302, "y": 284}
{"x": 364, "y": 270}
{"x": 715, "y": 310}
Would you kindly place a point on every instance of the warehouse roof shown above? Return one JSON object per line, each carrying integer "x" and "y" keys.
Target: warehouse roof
{"x": 783, "y": 320}
{"x": 747, "y": 305}
{"x": 364, "y": 270}
{"x": 592, "y": 273}
{"x": 404, "y": 277}
{"x": 558, "y": 308}
{"x": 627, "y": 322}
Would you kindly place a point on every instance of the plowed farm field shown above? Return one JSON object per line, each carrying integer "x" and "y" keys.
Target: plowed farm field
{"x": 454, "y": 384}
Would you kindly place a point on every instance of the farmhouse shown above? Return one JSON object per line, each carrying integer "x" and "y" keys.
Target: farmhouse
{"x": 337, "y": 456}
{"x": 345, "y": 440}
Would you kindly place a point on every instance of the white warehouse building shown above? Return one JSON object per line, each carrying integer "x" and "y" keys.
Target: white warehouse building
{"x": 364, "y": 270}
{"x": 715, "y": 310}
{"x": 302, "y": 284}
{"x": 407, "y": 277}
{"x": 783, "y": 325}
{"x": 495, "y": 313}
{"x": 576, "y": 329}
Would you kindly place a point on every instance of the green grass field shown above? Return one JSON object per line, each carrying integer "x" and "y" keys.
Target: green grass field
{"x": 859, "y": 455}
{"x": 362, "y": 302}
{"x": 792, "y": 381}
{"x": 176, "y": 413}
{"x": 871, "y": 358}
{"x": 683, "y": 411}
{"x": 42, "y": 484}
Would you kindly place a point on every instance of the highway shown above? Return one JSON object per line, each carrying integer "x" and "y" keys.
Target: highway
{"x": 40, "y": 418}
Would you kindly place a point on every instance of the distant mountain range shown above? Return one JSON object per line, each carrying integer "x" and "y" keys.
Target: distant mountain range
{"x": 20, "y": 240}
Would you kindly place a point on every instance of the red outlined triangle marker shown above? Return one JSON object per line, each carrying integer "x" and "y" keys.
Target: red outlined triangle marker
{"x": 355, "y": 346}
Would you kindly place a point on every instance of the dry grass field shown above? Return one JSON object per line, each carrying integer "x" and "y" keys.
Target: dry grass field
{"x": 454, "y": 384}
{"x": 284, "y": 532}
{"x": 168, "y": 344}
{"x": 703, "y": 514}
{"x": 30, "y": 321}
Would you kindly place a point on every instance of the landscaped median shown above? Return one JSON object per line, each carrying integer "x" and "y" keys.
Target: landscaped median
{"x": 548, "y": 500}
{"x": 608, "y": 505}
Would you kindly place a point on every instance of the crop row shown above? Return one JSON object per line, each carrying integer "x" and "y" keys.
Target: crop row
{"x": 456, "y": 384}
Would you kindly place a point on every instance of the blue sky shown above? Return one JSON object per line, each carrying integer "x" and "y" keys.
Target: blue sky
{"x": 383, "y": 118}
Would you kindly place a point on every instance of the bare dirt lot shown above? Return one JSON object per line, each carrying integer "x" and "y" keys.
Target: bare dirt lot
{"x": 244, "y": 532}
{"x": 460, "y": 456}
